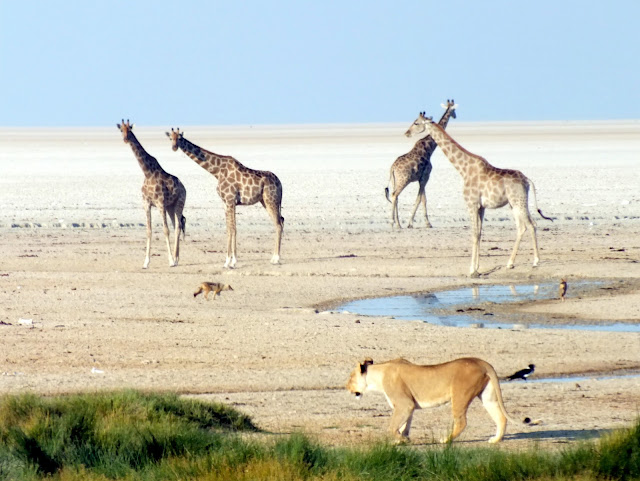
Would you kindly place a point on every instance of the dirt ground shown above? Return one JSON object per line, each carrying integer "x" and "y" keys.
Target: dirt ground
{"x": 80, "y": 314}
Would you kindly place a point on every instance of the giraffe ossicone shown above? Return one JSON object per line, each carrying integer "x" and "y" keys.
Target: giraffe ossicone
{"x": 237, "y": 185}
{"x": 486, "y": 187}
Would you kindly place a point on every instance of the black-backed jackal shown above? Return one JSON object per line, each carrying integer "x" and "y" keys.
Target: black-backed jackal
{"x": 214, "y": 287}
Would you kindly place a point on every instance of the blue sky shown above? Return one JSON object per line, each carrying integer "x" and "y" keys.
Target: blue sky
{"x": 91, "y": 63}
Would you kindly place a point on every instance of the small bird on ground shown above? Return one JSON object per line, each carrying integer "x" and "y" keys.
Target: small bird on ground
{"x": 522, "y": 373}
{"x": 562, "y": 289}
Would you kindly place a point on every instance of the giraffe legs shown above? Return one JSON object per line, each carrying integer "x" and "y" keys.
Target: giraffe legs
{"x": 523, "y": 220}
{"x": 176, "y": 219}
{"x": 477, "y": 216}
{"x": 230, "y": 262}
{"x": 178, "y": 222}
{"x": 278, "y": 220}
{"x": 534, "y": 239}
{"x": 395, "y": 218}
{"x": 421, "y": 199}
{"x": 422, "y": 196}
{"x": 415, "y": 208}
{"x": 165, "y": 229}
{"x": 275, "y": 259}
{"x": 147, "y": 258}
{"x": 393, "y": 199}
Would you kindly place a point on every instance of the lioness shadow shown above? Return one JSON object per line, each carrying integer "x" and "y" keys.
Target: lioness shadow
{"x": 555, "y": 435}
{"x": 559, "y": 435}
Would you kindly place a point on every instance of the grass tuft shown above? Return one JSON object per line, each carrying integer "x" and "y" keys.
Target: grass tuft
{"x": 619, "y": 454}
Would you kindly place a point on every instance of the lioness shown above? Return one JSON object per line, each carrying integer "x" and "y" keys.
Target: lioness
{"x": 214, "y": 287}
{"x": 408, "y": 386}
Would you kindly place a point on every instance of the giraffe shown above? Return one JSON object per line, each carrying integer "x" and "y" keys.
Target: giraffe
{"x": 486, "y": 187}
{"x": 160, "y": 189}
{"x": 415, "y": 166}
{"x": 237, "y": 185}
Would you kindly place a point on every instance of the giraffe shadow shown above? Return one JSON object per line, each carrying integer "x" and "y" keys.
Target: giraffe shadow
{"x": 488, "y": 273}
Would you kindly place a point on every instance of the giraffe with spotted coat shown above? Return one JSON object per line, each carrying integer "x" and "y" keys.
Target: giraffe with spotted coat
{"x": 160, "y": 189}
{"x": 485, "y": 187}
{"x": 237, "y": 185}
{"x": 415, "y": 166}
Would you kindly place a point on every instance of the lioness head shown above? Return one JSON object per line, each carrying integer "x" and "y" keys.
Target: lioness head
{"x": 357, "y": 383}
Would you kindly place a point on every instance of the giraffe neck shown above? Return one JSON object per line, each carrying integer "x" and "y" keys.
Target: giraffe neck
{"x": 207, "y": 160}
{"x": 427, "y": 145}
{"x": 147, "y": 162}
{"x": 456, "y": 154}
{"x": 444, "y": 120}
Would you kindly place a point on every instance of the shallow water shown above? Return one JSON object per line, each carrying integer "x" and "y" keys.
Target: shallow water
{"x": 436, "y": 308}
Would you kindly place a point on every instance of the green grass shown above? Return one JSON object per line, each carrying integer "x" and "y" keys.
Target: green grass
{"x": 111, "y": 434}
{"x": 133, "y": 436}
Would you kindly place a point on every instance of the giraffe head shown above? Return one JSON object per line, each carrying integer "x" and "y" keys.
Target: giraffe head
{"x": 125, "y": 128}
{"x": 174, "y": 136}
{"x": 450, "y": 106}
{"x": 419, "y": 125}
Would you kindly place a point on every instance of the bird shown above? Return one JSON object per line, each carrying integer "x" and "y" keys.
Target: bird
{"x": 522, "y": 373}
{"x": 562, "y": 289}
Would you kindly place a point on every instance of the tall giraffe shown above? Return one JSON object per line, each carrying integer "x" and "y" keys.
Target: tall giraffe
{"x": 161, "y": 189}
{"x": 415, "y": 166}
{"x": 486, "y": 187}
{"x": 237, "y": 185}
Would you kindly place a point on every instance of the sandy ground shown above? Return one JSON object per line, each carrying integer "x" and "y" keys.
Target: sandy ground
{"x": 72, "y": 247}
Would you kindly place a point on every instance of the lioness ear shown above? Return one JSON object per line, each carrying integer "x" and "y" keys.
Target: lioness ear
{"x": 365, "y": 365}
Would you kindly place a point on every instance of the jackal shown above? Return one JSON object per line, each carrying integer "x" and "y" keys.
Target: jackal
{"x": 214, "y": 287}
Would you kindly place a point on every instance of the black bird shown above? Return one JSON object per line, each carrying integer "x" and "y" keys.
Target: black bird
{"x": 522, "y": 373}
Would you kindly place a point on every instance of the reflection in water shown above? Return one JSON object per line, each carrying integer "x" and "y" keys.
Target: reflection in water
{"x": 426, "y": 299}
{"x": 495, "y": 294}
{"x": 427, "y": 307}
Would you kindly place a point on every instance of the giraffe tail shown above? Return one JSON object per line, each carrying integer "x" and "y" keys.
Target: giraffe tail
{"x": 535, "y": 202}
{"x": 280, "y": 219}
{"x": 392, "y": 181}
{"x": 183, "y": 227}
